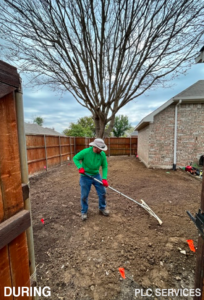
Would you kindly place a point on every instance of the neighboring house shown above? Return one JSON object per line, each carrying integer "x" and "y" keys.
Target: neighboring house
{"x": 200, "y": 57}
{"x": 39, "y": 130}
{"x": 173, "y": 134}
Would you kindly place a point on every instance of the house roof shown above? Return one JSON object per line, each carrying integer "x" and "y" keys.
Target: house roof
{"x": 9, "y": 79}
{"x": 39, "y": 130}
{"x": 200, "y": 57}
{"x": 193, "y": 94}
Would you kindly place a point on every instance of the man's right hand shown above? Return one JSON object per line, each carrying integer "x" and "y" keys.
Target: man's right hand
{"x": 81, "y": 171}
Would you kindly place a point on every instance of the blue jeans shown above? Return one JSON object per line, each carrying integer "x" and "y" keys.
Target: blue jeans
{"x": 85, "y": 183}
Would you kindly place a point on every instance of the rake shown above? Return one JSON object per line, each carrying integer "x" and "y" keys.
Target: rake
{"x": 143, "y": 204}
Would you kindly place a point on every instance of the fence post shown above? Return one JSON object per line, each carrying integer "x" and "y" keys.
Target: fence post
{"x": 45, "y": 151}
{"x": 60, "y": 151}
{"x": 130, "y": 145}
{"x": 109, "y": 147}
{"x": 25, "y": 180}
{"x": 74, "y": 145}
{"x": 70, "y": 148}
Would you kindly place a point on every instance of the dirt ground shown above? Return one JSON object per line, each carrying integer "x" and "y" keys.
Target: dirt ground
{"x": 80, "y": 260}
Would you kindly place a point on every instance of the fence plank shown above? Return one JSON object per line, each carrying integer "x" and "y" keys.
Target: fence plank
{"x": 9, "y": 158}
{"x": 19, "y": 263}
{"x": 1, "y": 208}
{"x": 5, "y": 275}
{"x": 13, "y": 227}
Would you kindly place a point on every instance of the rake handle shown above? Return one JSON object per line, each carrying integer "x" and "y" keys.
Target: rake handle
{"x": 143, "y": 204}
{"x": 115, "y": 190}
{"x": 93, "y": 178}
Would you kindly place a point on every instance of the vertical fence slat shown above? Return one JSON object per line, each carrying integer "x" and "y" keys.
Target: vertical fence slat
{"x": 60, "y": 151}
{"x": 1, "y": 210}
{"x": 5, "y": 275}
{"x": 45, "y": 152}
{"x": 19, "y": 262}
{"x": 70, "y": 149}
{"x": 10, "y": 176}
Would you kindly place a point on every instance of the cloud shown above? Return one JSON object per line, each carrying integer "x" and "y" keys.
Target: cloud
{"x": 59, "y": 111}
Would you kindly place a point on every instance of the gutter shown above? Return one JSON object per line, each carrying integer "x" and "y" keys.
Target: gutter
{"x": 175, "y": 134}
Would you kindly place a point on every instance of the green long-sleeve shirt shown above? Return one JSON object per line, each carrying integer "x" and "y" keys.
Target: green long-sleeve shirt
{"x": 91, "y": 162}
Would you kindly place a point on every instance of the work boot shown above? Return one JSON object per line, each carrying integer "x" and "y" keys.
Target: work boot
{"x": 104, "y": 212}
{"x": 84, "y": 217}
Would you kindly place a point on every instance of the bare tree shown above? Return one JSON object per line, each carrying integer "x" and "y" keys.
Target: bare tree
{"x": 104, "y": 52}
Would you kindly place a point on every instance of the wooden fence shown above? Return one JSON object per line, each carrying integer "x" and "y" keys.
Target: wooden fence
{"x": 45, "y": 151}
{"x": 14, "y": 218}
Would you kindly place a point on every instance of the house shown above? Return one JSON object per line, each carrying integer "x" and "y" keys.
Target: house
{"x": 39, "y": 130}
{"x": 200, "y": 57}
{"x": 173, "y": 135}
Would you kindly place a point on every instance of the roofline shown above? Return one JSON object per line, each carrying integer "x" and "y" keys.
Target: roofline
{"x": 190, "y": 98}
{"x": 150, "y": 118}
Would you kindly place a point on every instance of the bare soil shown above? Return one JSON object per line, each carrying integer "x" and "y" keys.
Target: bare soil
{"x": 80, "y": 260}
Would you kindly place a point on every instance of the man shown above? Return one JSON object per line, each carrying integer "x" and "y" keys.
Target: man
{"x": 91, "y": 160}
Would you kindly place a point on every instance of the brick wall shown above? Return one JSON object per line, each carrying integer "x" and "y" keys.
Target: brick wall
{"x": 156, "y": 141}
{"x": 161, "y": 139}
{"x": 143, "y": 145}
{"x": 190, "y": 139}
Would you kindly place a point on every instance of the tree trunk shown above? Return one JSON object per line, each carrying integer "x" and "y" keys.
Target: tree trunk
{"x": 100, "y": 127}
{"x": 110, "y": 127}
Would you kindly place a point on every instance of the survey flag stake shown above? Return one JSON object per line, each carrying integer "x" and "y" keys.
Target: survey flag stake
{"x": 122, "y": 272}
{"x": 191, "y": 245}
{"x": 42, "y": 220}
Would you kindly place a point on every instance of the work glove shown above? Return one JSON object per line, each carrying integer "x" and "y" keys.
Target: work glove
{"x": 81, "y": 171}
{"x": 105, "y": 182}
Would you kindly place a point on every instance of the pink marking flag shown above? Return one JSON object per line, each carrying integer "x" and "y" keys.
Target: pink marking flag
{"x": 45, "y": 167}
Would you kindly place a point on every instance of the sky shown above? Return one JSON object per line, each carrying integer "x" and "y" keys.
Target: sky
{"x": 59, "y": 111}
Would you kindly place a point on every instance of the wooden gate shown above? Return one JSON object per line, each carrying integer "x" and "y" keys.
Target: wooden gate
{"x": 14, "y": 219}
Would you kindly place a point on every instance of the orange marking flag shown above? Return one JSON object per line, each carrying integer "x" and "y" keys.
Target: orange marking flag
{"x": 122, "y": 272}
{"x": 191, "y": 245}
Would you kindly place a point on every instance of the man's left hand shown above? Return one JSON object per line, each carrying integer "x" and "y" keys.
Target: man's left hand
{"x": 105, "y": 182}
